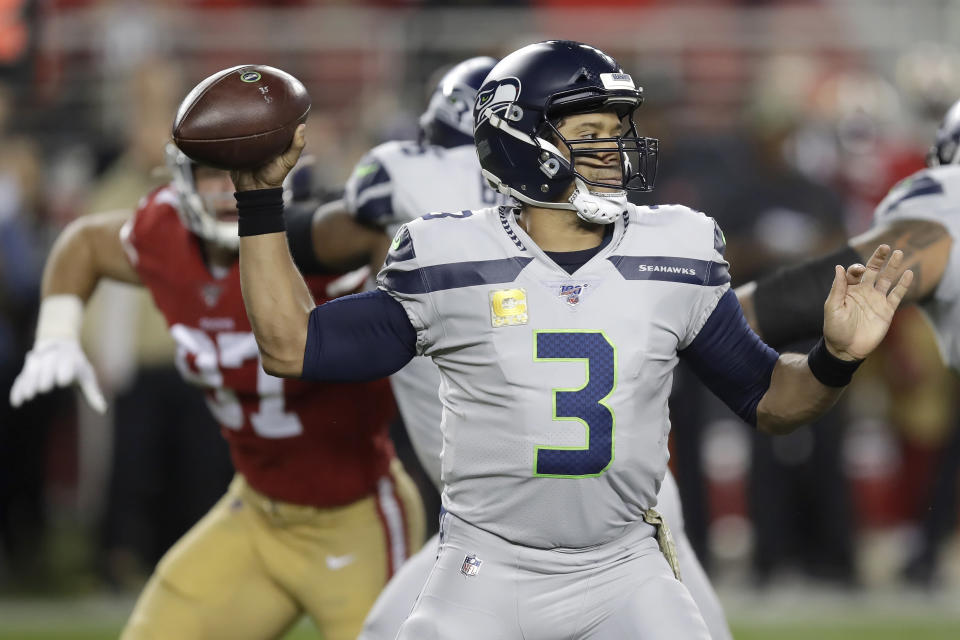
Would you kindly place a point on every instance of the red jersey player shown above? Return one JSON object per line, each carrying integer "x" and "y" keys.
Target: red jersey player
{"x": 320, "y": 513}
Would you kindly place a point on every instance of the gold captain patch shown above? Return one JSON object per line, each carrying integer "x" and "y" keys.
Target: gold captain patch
{"x": 508, "y": 307}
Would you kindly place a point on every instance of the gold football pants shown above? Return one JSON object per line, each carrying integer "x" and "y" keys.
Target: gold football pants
{"x": 252, "y": 566}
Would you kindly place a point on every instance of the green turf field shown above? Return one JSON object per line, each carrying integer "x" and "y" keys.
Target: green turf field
{"x": 892, "y": 617}
{"x": 792, "y": 631}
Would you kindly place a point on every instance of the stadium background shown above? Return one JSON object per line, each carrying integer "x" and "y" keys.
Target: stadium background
{"x": 787, "y": 121}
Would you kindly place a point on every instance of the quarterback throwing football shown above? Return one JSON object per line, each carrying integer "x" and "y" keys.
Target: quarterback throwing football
{"x": 555, "y": 417}
{"x": 396, "y": 183}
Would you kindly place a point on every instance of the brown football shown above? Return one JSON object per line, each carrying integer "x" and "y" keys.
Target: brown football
{"x": 240, "y": 117}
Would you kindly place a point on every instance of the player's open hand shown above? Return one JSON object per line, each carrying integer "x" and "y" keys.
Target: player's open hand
{"x": 57, "y": 362}
{"x": 271, "y": 174}
{"x": 861, "y": 304}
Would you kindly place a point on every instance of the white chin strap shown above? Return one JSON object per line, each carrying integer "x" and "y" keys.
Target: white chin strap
{"x": 595, "y": 206}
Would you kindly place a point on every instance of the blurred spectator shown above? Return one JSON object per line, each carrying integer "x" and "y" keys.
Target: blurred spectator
{"x": 23, "y": 433}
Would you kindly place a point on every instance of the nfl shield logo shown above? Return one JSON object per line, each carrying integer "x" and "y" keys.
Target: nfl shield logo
{"x": 571, "y": 292}
{"x": 210, "y": 293}
{"x": 471, "y": 565}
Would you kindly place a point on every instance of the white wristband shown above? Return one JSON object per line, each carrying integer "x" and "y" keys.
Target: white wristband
{"x": 61, "y": 316}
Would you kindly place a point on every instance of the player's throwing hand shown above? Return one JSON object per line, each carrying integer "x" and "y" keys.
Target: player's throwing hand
{"x": 861, "y": 304}
{"x": 271, "y": 174}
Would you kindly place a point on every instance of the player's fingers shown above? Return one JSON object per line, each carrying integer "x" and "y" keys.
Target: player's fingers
{"x": 899, "y": 291}
{"x": 292, "y": 154}
{"x": 65, "y": 372}
{"x": 854, "y": 273}
{"x": 889, "y": 272}
{"x": 46, "y": 373}
{"x": 838, "y": 290}
{"x": 91, "y": 391}
{"x": 25, "y": 386}
{"x": 17, "y": 391}
{"x": 874, "y": 264}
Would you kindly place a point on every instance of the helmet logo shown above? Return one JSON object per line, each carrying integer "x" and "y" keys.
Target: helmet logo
{"x": 498, "y": 97}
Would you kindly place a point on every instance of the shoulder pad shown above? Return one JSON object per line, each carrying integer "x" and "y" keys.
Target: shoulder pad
{"x": 680, "y": 230}
{"x": 926, "y": 194}
{"x": 457, "y": 236}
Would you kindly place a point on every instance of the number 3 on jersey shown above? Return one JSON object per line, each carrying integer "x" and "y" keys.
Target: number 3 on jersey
{"x": 586, "y": 404}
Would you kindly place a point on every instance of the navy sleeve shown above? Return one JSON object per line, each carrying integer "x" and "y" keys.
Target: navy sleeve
{"x": 731, "y": 359}
{"x": 360, "y": 337}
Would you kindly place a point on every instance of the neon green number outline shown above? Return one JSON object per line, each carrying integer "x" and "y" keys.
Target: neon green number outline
{"x": 602, "y": 402}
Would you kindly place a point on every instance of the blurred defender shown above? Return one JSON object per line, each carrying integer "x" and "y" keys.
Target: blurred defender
{"x": 320, "y": 514}
{"x": 398, "y": 182}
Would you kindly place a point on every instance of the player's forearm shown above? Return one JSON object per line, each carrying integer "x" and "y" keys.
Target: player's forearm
{"x": 795, "y": 396}
{"x": 86, "y": 251}
{"x": 341, "y": 243}
{"x": 926, "y": 247}
{"x": 786, "y": 306}
{"x": 277, "y": 300}
{"x": 69, "y": 269}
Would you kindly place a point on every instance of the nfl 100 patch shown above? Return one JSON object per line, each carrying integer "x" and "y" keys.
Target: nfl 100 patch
{"x": 569, "y": 291}
{"x": 471, "y": 565}
{"x": 508, "y": 307}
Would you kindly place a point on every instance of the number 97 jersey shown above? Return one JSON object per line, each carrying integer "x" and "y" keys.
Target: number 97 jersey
{"x": 554, "y": 386}
{"x": 304, "y": 443}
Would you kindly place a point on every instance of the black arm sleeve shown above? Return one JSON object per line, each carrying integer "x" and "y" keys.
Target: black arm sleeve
{"x": 789, "y": 302}
{"x": 731, "y": 359}
{"x": 299, "y": 217}
{"x": 360, "y": 337}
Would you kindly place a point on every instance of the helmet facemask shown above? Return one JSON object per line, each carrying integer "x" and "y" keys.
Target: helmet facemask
{"x": 198, "y": 212}
{"x": 946, "y": 145}
{"x": 637, "y": 159}
{"x": 946, "y": 152}
{"x": 637, "y": 155}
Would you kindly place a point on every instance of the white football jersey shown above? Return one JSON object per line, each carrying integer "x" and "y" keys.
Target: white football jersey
{"x": 934, "y": 194}
{"x": 400, "y": 181}
{"x": 395, "y": 183}
{"x": 554, "y": 386}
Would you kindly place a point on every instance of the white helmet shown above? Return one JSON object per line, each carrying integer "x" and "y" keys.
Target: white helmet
{"x": 194, "y": 210}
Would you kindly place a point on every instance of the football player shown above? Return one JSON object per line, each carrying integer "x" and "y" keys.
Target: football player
{"x": 920, "y": 214}
{"x": 396, "y": 183}
{"x": 554, "y": 413}
{"x": 320, "y": 513}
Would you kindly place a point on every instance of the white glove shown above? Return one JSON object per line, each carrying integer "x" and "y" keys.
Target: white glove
{"x": 57, "y": 362}
{"x": 57, "y": 358}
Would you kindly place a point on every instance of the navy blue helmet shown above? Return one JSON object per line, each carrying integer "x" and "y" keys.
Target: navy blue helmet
{"x": 517, "y": 111}
{"x": 448, "y": 120}
{"x": 947, "y": 143}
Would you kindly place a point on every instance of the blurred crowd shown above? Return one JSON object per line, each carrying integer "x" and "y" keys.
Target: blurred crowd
{"x": 781, "y": 120}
